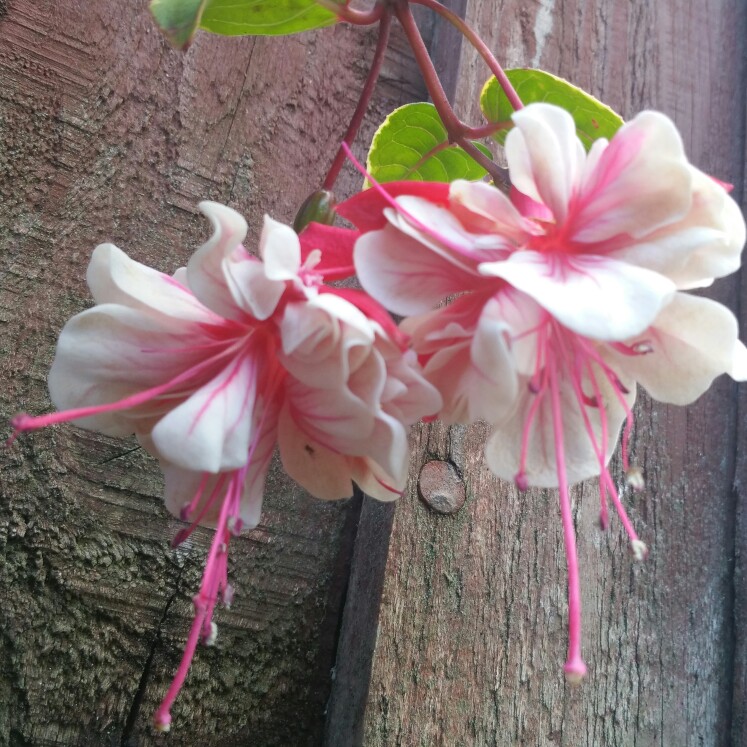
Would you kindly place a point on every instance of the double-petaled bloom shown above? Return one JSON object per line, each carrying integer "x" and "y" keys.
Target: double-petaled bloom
{"x": 233, "y": 355}
{"x": 560, "y": 298}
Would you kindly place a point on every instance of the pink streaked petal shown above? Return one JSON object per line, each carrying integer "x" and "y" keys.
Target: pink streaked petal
{"x": 365, "y": 210}
{"x": 503, "y": 448}
{"x": 545, "y": 158}
{"x": 111, "y": 352}
{"x": 324, "y": 473}
{"x": 115, "y": 278}
{"x": 530, "y": 208}
{"x": 405, "y": 275}
{"x": 336, "y": 245}
{"x": 593, "y": 296}
{"x": 212, "y": 429}
{"x": 640, "y": 182}
{"x": 706, "y": 244}
{"x": 440, "y": 230}
{"x": 408, "y": 396}
{"x": 374, "y": 482}
{"x": 373, "y": 311}
{"x": 207, "y": 267}
{"x": 694, "y": 340}
{"x": 482, "y": 208}
{"x": 280, "y": 250}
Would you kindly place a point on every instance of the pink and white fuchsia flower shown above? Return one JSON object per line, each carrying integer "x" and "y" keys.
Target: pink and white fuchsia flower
{"x": 564, "y": 296}
{"x": 213, "y": 367}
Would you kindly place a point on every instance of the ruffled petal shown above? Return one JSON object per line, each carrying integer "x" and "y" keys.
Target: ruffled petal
{"x": 693, "y": 341}
{"x": 211, "y": 430}
{"x": 405, "y": 275}
{"x": 280, "y": 250}
{"x": 594, "y": 296}
{"x": 482, "y": 208}
{"x": 706, "y": 244}
{"x": 114, "y": 278}
{"x": 324, "y": 473}
{"x": 545, "y": 158}
{"x": 209, "y": 277}
{"x": 503, "y": 449}
{"x": 111, "y": 352}
{"x": 638, "y": 183}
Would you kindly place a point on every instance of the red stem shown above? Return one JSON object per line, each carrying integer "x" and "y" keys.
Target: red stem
{"x": 385, "y": 23}
{"x": 455, "y": 128}
{"x": 482, "y": 48}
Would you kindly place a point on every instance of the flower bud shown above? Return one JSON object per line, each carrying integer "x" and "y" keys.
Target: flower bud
{"x": 318, "y": 207}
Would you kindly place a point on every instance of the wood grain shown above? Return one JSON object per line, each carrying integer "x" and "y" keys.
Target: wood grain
{"x": 472, "y": 628}
{"x": 108, "y": 135}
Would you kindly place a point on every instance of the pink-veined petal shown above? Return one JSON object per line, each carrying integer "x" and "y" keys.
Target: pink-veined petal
{"x": 375, "y": 482}
{"x": 545, "y": 158}
{"x": 114, "y": 278}
{"x": 110, "y": 352}
{"x": 211, "y": 430}
{"x": 324, "y": 473}
{"x": 503, "y": 448}
{"x": 208, "y": 269}
{"x": 694, "y": 340}
{"x": 594, "y": 296}
{"x": 640, "y": 182}
{"x": 404, "y": 275}
{"x": 483, "y": 208}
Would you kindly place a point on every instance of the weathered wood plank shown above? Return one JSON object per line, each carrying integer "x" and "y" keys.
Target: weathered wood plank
{"x": 106, "y": 134}
{"x": 471, "y": 635}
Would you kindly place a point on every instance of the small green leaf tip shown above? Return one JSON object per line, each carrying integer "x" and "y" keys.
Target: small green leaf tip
{"x": 593, "y": 119}
{"x": 412, "y": 144}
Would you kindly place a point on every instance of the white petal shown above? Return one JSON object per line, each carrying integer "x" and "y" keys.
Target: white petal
{"x": 594, "y": 296}
{"x": 404, "y": 275}
{"x": 694, "y": 340}
{"x": 319, "y": 470}
{"x": 545, "y": 158}
{"x": 280, "y": 250}
{"x": 111, "y": 352}
{"x": 206, "y": 268}
{"x": 211, "y": 430}
{"x": 485, "y": 209}
{"x": 504, "y": 446}
{"x": 641, "y": 181}
{"x": 115, "y": 278}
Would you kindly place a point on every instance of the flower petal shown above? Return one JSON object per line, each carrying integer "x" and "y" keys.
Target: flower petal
{"x": 405, "y": 275}
{"x": 594, "y": 296}
{"x": 211, "y": 430}
{"x": 324, "y": 473}
{"x": 545, "y": 158}
{"x": 280, "y": 250}
{"x": 503, "y": 449}
{"x": 111, "y": 352}
{"x": 114, "y": 278}
{"x": 207, "y": 268}
{"x": 694, "y": 340}
{"x": 638, "y": 183}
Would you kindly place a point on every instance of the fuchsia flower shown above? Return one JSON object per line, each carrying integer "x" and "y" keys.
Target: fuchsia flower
{"x": 213, "y": 367}
{"x": 563, "y": 297}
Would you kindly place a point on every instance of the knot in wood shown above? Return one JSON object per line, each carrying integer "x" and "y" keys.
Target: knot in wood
{"x": 440, "y": 487}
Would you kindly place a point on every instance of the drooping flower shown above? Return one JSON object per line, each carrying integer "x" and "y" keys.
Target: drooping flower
{"x": 233, "y": 355}
{"x": 562, "y": 297}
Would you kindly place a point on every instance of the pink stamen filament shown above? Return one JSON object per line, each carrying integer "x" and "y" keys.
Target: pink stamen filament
{"x": 575, "y": 669}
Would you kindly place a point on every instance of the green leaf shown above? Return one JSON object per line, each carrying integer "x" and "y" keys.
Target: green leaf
{"x": 264, "y": 17}
{"x": 412, "y": 144}
{"x": 593, "y": 118}
{"x": 180, "y": 19}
